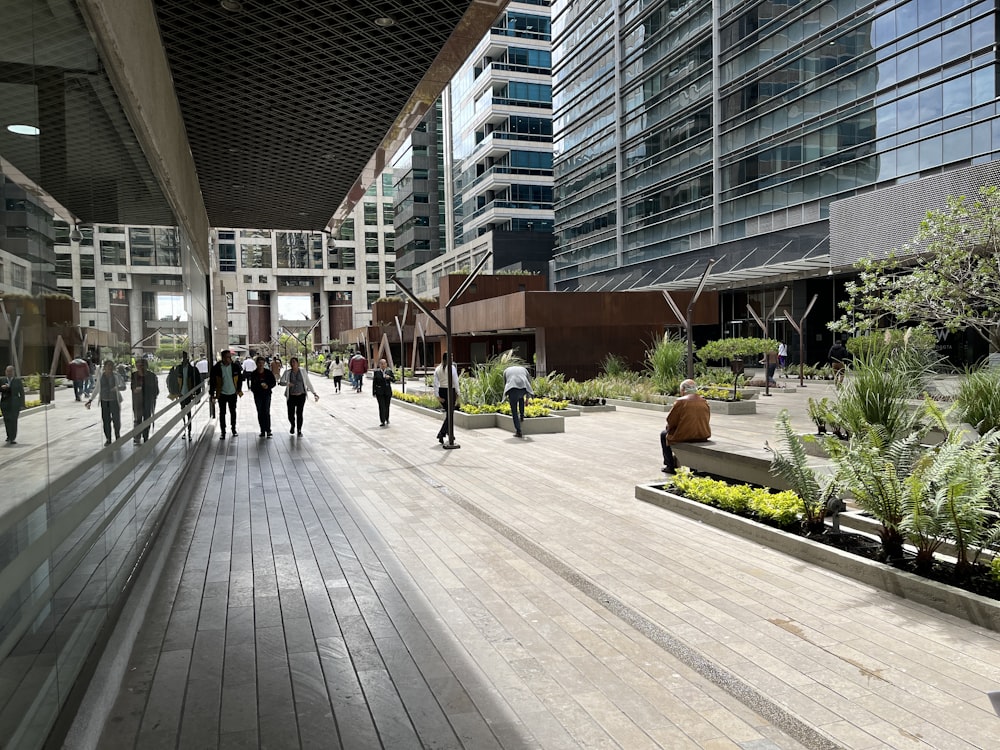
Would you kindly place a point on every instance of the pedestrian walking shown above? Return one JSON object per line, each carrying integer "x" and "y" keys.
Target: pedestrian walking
{"x": 225, "y": 385}
{"x": 358, "y": 365}
{"x": 516, "y": 387}
{"x": 108, "y": 393}
{"x": 441, "y": 388}
{"x": 11, "y": 402}
{"x": 296, "y": 382}
{"x": 382, "y": 379}
{"x": 262, "y": 384}
{"x": 184, "y": 382}
{"x": 145, "y": 389}
{"x": 337, "y": 373}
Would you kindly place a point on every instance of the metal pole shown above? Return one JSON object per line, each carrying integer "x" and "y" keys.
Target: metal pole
{"x": 450, "y": 401}
{"x": 688, "y": 325}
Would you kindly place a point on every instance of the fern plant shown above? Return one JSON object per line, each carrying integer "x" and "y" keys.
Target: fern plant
{"x": 815, "y": 492}
{"x": 947, "y": 497}
{"x": 873, "y": 468}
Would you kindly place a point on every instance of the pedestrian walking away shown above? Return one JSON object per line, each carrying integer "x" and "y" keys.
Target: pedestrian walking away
{"x": 337, "y": 373}
{"x": 382, "y": 379}
{"x": 108, "y": 393}
{"x": 516, "y": 387}
{"x": 441, "y": 388}
{"x": 79, "y": 372}
{"x": 145, "y": 389}
{"x": 358, "y": 366}
{"x": 11, "y": 402}
{"x": 262, "y": 384}
{"x": 226, "y": 386}
{"x": 296, "y": 382}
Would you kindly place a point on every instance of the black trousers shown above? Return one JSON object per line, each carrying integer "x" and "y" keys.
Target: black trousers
{"x": 295, "y": 406}
{"x": 230, "y": 402}
{"x": 140, "y": 413}
{"x": 263, "y": 404}
{"x": 383, "y": 407}
{"x": 446, "y": 428}
{"x": 111, "y": 415}
{"x": 10, "y": 422}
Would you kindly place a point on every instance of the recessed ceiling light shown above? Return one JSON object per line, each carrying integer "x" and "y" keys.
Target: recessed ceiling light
{"x": 385, "y": 21}
{"x": 233, "y": 6}
{"x": 24, "y": 129}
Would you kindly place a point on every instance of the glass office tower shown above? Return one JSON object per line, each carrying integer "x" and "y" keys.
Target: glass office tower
{"x": 694, "y": 130}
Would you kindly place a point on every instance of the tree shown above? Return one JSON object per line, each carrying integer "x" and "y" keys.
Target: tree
{"x": 948, "y": 277}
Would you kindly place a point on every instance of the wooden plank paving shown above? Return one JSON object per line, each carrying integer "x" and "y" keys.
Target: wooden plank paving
{"x": 361, "y": 587}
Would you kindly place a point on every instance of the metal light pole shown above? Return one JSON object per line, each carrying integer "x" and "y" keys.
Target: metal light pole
{"x": 450, "y": 401}
{"x": 764, "y": 324}
{"x": 402, "y": 343}
{"x": 685, "y": 320}
{"x": 799, "y": 328}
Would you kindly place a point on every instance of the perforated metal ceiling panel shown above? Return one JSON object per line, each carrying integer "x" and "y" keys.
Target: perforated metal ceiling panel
{"x": 286, "y": 101}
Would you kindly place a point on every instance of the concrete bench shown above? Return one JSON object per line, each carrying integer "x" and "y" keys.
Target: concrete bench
{"x": 732, "y": 460}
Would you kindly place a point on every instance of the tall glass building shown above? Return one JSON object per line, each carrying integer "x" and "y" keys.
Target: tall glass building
{"x": 497, "y": 142}
{"x": 689, "y": 130}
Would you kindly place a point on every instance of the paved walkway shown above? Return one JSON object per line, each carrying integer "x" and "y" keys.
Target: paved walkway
{"x": 360, "y": 587}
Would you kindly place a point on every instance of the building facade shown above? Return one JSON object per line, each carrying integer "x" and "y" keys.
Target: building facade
{"x": 690, "y": 130}
{"x": 497, "y": 141}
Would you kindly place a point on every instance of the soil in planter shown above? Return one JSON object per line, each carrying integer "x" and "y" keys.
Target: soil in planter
{"x": 977, "y": 581}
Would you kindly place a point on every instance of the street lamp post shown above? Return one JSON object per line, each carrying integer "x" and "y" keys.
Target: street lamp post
{"x": 446, "y": 326}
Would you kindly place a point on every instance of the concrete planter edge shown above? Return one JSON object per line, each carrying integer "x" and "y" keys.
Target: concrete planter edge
{"x": 974, "y": 608}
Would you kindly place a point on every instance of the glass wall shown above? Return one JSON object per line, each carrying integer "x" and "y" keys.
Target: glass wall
{"x": 89, "y": 463}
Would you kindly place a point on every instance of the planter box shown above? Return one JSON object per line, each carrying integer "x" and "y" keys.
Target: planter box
{"x": 588, "y": 409}
{"x": 976, "y": 609}
{"x": 642, "y": 404}
{"x": 733, "y": 407}
{"x": 570, "y": 411}
{"x": 472, "y": 421}
{"x": 533, "y": 426}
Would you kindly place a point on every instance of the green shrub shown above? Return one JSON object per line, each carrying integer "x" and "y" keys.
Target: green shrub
{"x": 420, "y": 399}
{"x": 614, "y": 366}
{"x": 978, "y": 399}
{"x": 995, "y": 569}
{"x": 665, "y": 363}
{"x": 721, "y": 349}
{"x": 547, "y": 385}
{"x": 781, "y": 508}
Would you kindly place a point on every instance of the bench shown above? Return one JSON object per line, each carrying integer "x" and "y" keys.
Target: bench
{"x": 732, "y": 460}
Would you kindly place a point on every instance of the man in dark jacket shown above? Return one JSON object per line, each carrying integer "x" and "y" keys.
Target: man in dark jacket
{"x": 184, "y": 382}
{"x": 11, "y": 402}
{"x": 145, "y": 388}
{"x": 225, "y": 383}
{"x": 262, "y": 384}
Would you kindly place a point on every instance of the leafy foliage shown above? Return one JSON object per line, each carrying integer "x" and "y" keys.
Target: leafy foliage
{"x": 735, "y": 347}
{"x": 426, "y": 400}
{"x": 947, "y": 496}
{"x": 978, "y": 399}
{"x": 813, "y": 491}
{"x": 949, "y": 276}
{"x": 873, "y": 469}
{"x": 485, "y": 384}
{"x": 614, "y": 365}
{"x": 665, "y": 361}
{"x": 780, "y": 508}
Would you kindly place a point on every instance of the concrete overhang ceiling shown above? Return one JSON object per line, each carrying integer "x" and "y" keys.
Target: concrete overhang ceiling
{"x": 293, "y": 106}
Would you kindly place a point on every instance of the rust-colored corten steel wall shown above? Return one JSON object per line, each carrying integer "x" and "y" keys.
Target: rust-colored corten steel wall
{"x": 486, "y": 286}
{"x": 574, "y": 331}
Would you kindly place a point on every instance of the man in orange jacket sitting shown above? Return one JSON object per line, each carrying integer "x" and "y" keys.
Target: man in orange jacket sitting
{"x": 687, "y": 422}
